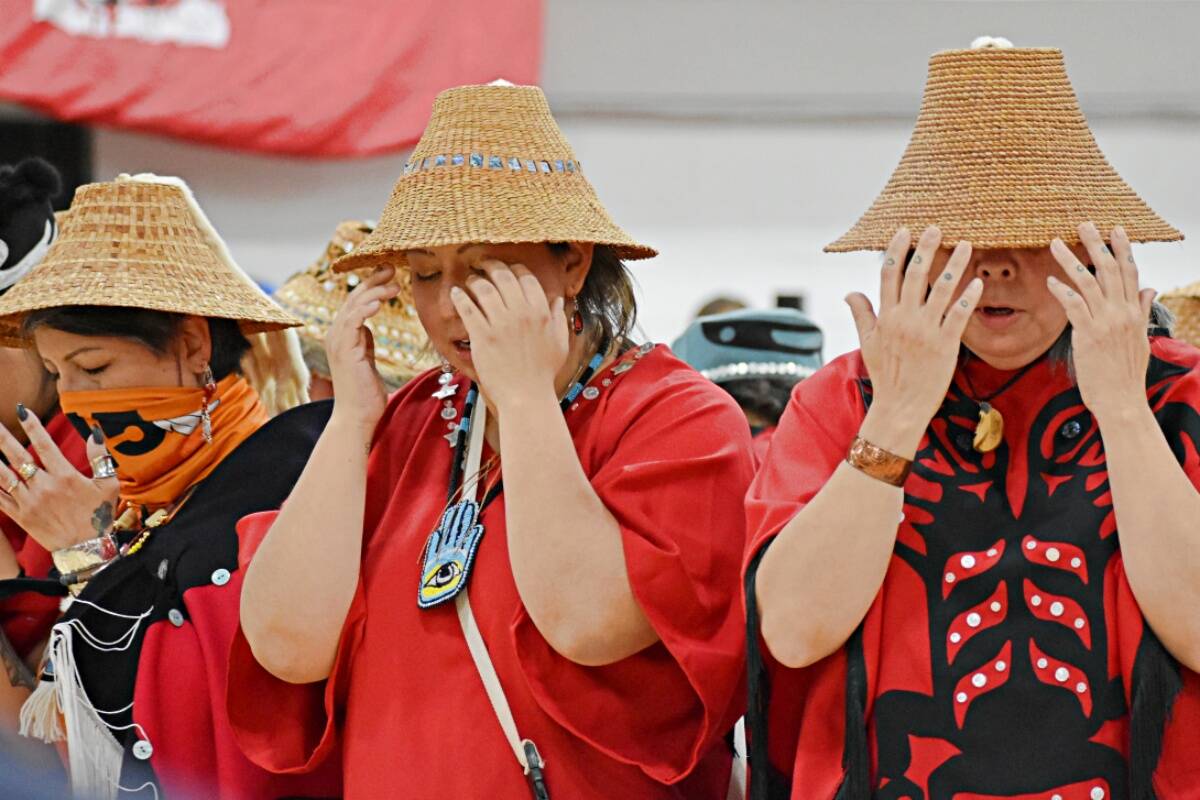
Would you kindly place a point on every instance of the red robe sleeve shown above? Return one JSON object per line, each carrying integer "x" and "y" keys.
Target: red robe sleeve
{"x": 293, "y": 728}
{"x": 1177, "y": 407}
{"x": 814, "y": 434}
{"x": 27, "y": 618}
{"x": 675, "y": 483}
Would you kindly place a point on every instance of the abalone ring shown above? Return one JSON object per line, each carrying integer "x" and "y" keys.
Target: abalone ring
{"x": 27, "y": 470}
{"x": 103, "y": 467}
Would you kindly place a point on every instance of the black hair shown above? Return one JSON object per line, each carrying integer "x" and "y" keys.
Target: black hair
{"x": 153, "y": 329}
{"x": 606, "y": 300}
{"x": 766, "y": 397}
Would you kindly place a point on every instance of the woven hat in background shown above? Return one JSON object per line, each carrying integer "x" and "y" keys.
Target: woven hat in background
{"x": 1002, "y": 156}
{"x": 315, "y": 295}
{"x": 492, "y": 167}
{"x": 142, "y": 241}
{"x": 1184, "y": 303}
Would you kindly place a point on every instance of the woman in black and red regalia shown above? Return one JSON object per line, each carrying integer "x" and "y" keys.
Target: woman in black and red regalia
{"x": 585, "y": 491}
{"x": 161, "y": 345}
{"x": 973, "y": 569}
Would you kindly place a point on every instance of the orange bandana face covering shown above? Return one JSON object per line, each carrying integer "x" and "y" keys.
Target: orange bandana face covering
{"x": 155, "y": 434}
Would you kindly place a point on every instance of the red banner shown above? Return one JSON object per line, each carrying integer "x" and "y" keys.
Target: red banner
{"x": 299, "y": 77}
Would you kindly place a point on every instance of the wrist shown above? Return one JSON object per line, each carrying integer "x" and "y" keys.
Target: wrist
{"x": 349, "y": 425}
{"x": 894, "y": 428}
{"x": 1123, "y": 414}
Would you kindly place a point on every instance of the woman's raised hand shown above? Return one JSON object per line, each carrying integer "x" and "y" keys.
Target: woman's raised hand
{"x": 56, "y": 504}
{"x": 911, "y": 347}
{"x": 1109, "y": 312}
{"x": 519, "y": 339}
{"x": 360, "y": 394}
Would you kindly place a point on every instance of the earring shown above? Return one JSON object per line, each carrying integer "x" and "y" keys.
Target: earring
{"x": 210, "y": 390}
{"x": 576, "y": 319}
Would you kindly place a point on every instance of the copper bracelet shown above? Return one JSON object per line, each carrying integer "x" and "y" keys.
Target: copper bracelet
{"x": 878, "y": 463}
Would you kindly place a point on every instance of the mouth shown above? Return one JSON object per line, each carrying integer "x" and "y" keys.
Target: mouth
{"x": 462, "y": 346}
{"x": 997, "y": 318}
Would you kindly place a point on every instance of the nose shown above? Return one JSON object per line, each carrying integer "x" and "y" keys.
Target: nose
{"x": 995, "y": 269}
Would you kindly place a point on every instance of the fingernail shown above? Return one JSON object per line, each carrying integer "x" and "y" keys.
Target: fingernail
{"x": 97, "y": 435}
{"x": 455, "y": 291}
{"x": 1051, "y": 279}
{"x": 22, "y": 412}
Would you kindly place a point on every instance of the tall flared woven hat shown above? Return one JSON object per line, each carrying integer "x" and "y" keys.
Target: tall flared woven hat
{"x": 1184, "y": 303}
{"x": 492, "y": 167}
{"x": 1002, "y": 156}
{"x": 315, "y": 295}
{"x": 142, "y": 241}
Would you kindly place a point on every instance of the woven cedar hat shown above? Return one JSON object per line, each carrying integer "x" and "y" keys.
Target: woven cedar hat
{"x": 315, "y": 295}
{"x": 1002, "y": 156}
{"x": 142, "y": 241}
{"x": 1184, "y": 303}
{"x": 491, "y": 167}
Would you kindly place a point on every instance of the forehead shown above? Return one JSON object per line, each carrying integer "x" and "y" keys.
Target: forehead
{"x": 501, "y": 250}
{"x": 55, "y": 344}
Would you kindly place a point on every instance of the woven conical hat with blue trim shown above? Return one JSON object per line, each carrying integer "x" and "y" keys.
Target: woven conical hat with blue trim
{"x": 492, "y": 167}
{"x": 1002, "y": 156}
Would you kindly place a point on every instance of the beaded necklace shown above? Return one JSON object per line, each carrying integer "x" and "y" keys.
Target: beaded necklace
{"x": 450, "y": 550}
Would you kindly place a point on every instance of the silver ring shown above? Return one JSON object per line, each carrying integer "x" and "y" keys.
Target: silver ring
{"x": 103, "y": 467}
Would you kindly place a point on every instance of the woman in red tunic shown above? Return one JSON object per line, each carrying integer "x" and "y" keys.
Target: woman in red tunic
{"x": 608, "y": 478}
{"x": 973, "y": 559}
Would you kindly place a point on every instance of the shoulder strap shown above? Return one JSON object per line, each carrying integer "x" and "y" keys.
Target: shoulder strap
{"x": 525, "y": 750}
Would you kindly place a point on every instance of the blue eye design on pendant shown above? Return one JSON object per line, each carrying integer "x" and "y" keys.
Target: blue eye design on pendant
{"x": 449, "y": 554}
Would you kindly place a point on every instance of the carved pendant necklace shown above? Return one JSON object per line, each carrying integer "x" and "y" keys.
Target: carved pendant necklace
{"x": 989, "y": 433}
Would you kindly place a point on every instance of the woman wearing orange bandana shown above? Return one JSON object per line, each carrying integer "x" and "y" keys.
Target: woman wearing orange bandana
{"x": 160, "y": 344}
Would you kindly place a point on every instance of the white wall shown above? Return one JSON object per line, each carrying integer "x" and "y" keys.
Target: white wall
{"x": 739, "y": 138}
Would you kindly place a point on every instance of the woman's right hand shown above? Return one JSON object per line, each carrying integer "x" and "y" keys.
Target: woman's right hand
{"x": 360, "y": 394}
{"x": 911, "y": 348}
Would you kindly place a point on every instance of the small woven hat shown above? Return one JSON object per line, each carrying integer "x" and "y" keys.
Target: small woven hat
{"x": 1184, "y": 304}
{"x": 140, "y": 242}
{"x": 315, "y": 295}
{"x": 1002, "y": 156}
{"x": 778, "y": 343}
{"x": 493, "y": 167}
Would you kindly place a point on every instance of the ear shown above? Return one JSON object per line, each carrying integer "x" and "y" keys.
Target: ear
{"x": 578, "y": 263}
{"x": 194, "y": 345}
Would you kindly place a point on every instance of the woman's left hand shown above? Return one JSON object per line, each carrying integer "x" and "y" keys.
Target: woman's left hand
{"x": 519, "y": 339}
{"x": 56, "y": 505}
{"x": 1109, "y": 314}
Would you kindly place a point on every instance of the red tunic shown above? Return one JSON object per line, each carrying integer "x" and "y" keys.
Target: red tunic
{"x": 761, "y": 444}
{"x": 669, "y": 454}
{"x": 27, "y": 617}
{"x": 1003, "y": 648}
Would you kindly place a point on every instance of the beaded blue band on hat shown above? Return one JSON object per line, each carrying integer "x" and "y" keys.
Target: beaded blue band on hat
{"x": 493, "y": 162}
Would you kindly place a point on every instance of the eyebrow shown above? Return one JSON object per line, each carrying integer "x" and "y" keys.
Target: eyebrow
{"x": 459, "y": 251}
{"x": 74, "y": 353}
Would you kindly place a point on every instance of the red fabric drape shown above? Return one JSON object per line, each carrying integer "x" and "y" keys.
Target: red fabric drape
{"x": 274, "y": 76}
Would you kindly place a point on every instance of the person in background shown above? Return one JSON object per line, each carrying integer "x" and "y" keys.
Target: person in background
{"x": 758, "y": 357}
{"x": 583, "y": 489}
{"x": 974, "y": 562}
{"x": 27, "y": 229}
{"x": 314, "y": 296}
{"x": 164, "y": 349}
{"x": 720, "y": 305}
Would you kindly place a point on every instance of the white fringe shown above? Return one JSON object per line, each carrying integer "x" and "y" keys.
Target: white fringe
{"x": 95, "y": 756}
{"x": 41, "y": 717}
